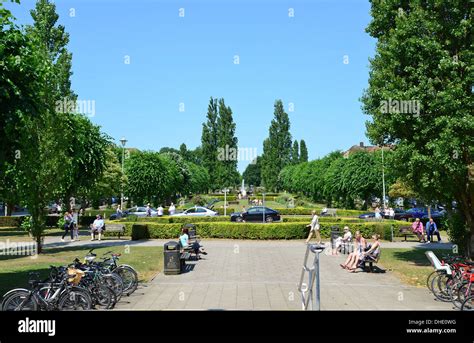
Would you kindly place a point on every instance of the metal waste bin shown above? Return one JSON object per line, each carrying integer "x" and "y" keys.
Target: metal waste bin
{"x": 335, "y": 232}
{"x": 172, "y": 259}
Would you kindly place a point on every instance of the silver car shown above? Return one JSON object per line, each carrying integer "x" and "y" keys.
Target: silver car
{"x": 140, "y": 211}
{"x": 197, "y": 211}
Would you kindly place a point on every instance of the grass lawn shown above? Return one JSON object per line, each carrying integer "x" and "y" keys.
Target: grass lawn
{"x": 14, "y": 269}
{"x": 411, "y": 266}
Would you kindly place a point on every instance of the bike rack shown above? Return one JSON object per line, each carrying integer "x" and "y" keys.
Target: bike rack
{"x": 436, "y": 263}
{"x": 306, "y": 289}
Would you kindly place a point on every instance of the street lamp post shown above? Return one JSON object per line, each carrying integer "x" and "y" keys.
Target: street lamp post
{"x": 123, "y": 141}
{"x": 225, "y": 201}
{"x": 383, "y": 181}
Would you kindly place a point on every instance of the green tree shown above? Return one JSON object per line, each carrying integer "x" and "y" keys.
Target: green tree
{"x": 226, "y": 173}
{"x": 424, "y": 56}
{"x": 276, "y": 148}
{"x": 295, "y": 153}
{"x": 184, "y": 152}
{"x": 86, "y": 148}
{"x": 209, "y": 142}
{"x": 252, "y": 174}
{"x": 199, "y": 178}
{"x": 303, "y": 151}
{"x": 109, "y": 182}
{"x": 151, "y": 177}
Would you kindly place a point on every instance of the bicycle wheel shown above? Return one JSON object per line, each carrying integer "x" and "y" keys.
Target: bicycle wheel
{"x": 20, "y": 301}
{"x": 465, "y": 291}
{"x": 454, "y": 292}
{"x": 114, "y": 281}
{"x": 75, "y": 299}
{"x": 104, "y": 297}
{"x": 129, "y": 277}
{"x": 429, "y": 280}
{"x": 468, "y": 304}
{"x": 439, "y": 286}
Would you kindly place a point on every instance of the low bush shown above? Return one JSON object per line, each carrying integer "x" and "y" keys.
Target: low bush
{"x": 307, "y": 211}
{"x": 11, "y": 221}
{"x": 139, "y": 231}
{"x": 230, "y": 230}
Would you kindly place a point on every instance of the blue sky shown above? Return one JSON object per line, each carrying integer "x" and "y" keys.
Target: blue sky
{"x": 188, "y": 59}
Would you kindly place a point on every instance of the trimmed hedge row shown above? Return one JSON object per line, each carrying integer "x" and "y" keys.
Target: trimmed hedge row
{"x": 11, "y": 221}
{"x": 51, "y": 221}
{"x": 186, "y": 220}
{"x": 252, "y": 230}
{"x": 307, "y": 211}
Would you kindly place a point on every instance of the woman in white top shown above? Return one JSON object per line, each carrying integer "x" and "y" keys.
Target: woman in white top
{"x": 172, "y": 209}
{"x": 314, "y": 228}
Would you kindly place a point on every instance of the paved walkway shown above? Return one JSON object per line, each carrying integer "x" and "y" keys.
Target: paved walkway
{"x": 263, "y": 275}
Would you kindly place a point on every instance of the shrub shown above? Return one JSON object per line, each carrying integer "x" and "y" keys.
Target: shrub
{"x": 9, "y": 221}
{"x": 139, "y": 231}
{"x": 271, "y": 231}
{"x": 221, "y": 210}
{"x": 199, "y": 200}
{"x": 86, "y": 221}
{"x": 307, "y": 211}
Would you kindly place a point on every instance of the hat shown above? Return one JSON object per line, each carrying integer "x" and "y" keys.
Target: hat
{"x": 346, "y": 228}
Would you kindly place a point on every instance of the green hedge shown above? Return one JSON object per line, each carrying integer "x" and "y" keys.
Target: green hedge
{"x": 11, "y": 221}
{"x": 185, "y": 220}
{"x": 252, "y": 230}
{"x": 307, "y": 211}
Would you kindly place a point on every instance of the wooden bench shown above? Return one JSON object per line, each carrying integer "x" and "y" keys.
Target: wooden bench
{"x": 370, "y": 263}
{"x": 406, "y": 231}
{"x": 120, "y": 228}
{"x": 183, "y": 257}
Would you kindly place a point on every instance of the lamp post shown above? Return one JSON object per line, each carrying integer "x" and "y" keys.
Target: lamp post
{"x": 123, "y": 141}
{"x": 383, "y": 181}
{"x": 225, "y": 201}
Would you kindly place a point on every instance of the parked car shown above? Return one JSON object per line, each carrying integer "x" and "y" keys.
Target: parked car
{"x": 401, "y": 215}
{"x": 256, "y": 214}
{"x": 197, "y": 211}
{"x": 367, "y": 215}
{"x": 417, "y": 212}
{"x": 139, "y": 211}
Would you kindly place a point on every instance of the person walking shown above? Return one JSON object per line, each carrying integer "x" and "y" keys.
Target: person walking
{"x": 432, "y": 229}
{"x": 172, "y": 209}
{"x": 68, "y": 226}
{"x": 148, "y": 210}
{"x": 119, "y": 212}
{"x": 314, "y": 228}
{"x": 160, "y": 211}
{"x": 392, "y": 213}
{"x": 377, "y": 213}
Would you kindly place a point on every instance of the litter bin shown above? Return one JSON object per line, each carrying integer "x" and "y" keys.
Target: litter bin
{"x": 335, "y": 232}
{"x": 172, "y": 259}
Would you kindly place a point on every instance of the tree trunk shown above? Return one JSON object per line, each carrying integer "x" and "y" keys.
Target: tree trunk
{"x": 10, "y": 207}
{"x": 39, "y": 244}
